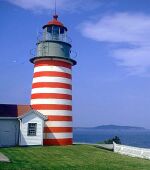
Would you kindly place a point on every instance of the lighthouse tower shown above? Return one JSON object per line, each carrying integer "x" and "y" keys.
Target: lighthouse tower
{"x": 52, "y": 83}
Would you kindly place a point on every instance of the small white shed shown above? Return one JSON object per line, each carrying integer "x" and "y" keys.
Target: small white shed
{"x": 31, "y": 128}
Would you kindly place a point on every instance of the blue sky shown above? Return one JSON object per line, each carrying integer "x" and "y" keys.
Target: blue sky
{"x": 111, "y": 82}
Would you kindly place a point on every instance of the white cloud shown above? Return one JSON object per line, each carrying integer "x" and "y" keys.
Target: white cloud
{"x": 68, "y": 5}
{"x": 132, "y": 30}
{"x": 32, "y": 4}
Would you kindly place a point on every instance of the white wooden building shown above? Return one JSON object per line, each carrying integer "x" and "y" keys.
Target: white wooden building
{"x": 20, "y": 125}
{"x": 31, "y": 128}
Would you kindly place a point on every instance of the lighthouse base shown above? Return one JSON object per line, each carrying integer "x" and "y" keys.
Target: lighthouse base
{"x": 58, "y": 130}
{"x": 57, "y": 142}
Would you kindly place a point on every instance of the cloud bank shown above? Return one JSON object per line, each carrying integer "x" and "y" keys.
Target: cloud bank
{"x": 67, "y": 5}
{"x": 130, "y": 36}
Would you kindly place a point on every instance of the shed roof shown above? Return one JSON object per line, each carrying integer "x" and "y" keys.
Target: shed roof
{"x": 12, "y": 110}
{"x": 35, "y": 112}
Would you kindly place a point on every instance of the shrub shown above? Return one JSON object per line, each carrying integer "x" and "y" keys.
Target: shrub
{"x": 115, "y": 139}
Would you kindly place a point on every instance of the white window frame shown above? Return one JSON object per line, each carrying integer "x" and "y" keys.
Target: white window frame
{"x": 32, "y": 129}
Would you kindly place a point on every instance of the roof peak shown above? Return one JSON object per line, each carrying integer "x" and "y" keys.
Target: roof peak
{"x": 55, "y": 16}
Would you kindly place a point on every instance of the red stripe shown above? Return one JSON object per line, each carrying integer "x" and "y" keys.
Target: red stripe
{"x": 67, "y": 141}
{"x": 52, "y": 63}
{"x": 57, "y": 129}
{"x": 52, "y": 74}
{"x": 52, "y": 85}
{"x": 51, "y": 107}
{"x": 60, "y": 118}
{"x": 51, "y": 95}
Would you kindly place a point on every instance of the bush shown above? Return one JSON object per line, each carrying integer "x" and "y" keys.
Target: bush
{"x": 115, "y": 139}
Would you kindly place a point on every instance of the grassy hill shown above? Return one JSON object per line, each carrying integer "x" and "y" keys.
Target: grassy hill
{"x": 75, "y": 157}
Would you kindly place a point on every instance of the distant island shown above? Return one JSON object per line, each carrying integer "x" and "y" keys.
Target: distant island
{"x": 113, "y": 127}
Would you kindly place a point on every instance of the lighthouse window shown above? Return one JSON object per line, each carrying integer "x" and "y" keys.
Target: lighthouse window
{"x": 32, "y": 127}
{"x": 55, "y": 30}
{"x": 49, "y": 29}
{"x": 61, "y": 30}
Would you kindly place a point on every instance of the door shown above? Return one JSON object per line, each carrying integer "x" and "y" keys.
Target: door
{"x": 9, "y": 132}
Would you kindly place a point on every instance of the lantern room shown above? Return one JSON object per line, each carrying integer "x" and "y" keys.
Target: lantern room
{"x": 55, "y": 30}
{"x": 54, "y": 42}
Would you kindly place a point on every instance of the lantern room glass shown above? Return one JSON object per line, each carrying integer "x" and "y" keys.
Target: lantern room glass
{"x": 55, "y": 33}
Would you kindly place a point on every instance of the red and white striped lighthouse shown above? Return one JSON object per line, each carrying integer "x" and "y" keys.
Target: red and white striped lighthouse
{"x": 52, "y": 83}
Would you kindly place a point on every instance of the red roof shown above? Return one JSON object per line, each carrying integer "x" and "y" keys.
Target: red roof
{"x": 55, "y": 22}
{"x": 12, "y": 110}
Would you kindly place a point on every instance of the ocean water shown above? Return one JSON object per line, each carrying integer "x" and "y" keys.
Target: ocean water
{"x": 138, "y": 138}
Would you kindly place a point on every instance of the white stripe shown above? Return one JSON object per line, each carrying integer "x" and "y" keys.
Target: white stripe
{"x": 51, "y": 101}
{"x": 56, "y": 112}
{"x": 58, "y": 123}
{"x": 51, "y": 90}
{"x": 57, "y": 135}
{"x": 52, "y": 79}
{"x": 52, "y": 68}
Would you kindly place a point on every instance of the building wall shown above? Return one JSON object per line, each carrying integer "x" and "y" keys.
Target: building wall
{"x": 31, "y": 140}
{"x": 9, "y": 132}
{"x": 53, "y": 48}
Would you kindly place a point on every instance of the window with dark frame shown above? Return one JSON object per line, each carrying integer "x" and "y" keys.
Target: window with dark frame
{"x": 32, "y": 127}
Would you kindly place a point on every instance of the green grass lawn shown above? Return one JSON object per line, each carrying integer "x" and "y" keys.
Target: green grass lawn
{"x": 75, "y": 157}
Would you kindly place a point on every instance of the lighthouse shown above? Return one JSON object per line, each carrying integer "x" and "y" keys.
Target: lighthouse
{"x": 51, "y": 93}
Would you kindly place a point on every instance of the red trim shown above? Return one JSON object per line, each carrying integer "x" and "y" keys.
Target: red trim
{"x": 52, "y": 74}
{"x": 57, "y": 129}
{"x": 51, "y": 107}
{"x": 52, "y": 85}
{"x": 52, "y": 63}
{"x": 59, "y": 118}
{"x": 51, "y": 95}
{"x": 67, "y": 141}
